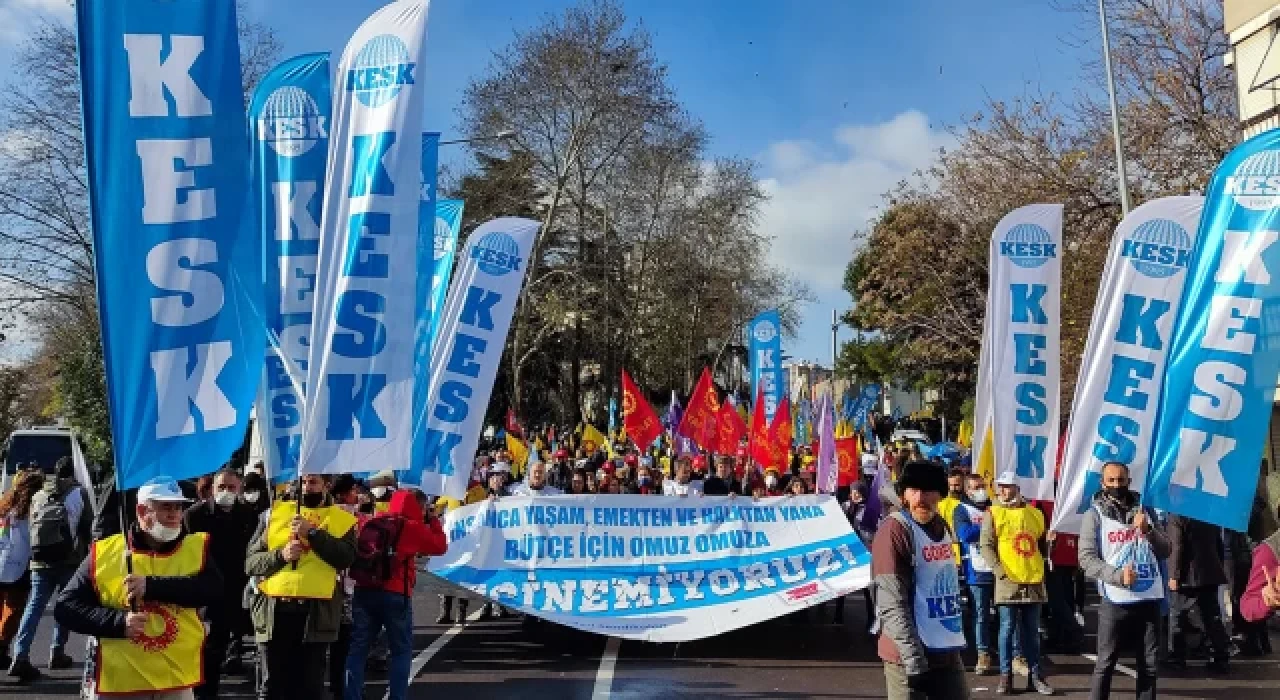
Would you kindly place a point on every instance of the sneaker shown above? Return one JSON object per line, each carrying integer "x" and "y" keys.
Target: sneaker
{"x": 60, "y": 661}
{"x": 1020, "y": 666}
{"x": 1006, "y": 684}
{"x": 983, "y": 667}
{"x": 1036, "y": 682}
{"x": 24, "y": 671}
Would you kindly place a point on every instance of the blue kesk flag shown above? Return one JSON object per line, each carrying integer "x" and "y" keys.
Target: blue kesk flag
{"x": 289, "y": 116}
{"x": 765, "y": 338}
{"x": 178, "y": 264}
{"x": 1224, "y": 353}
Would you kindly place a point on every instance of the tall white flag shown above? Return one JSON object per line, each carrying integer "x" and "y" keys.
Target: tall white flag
{"x": 1122, "y": 370}
{"x": 361, "y": 371}
{"x": 1017, "y": 421}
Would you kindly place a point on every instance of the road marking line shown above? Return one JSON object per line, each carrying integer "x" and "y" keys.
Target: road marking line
{"x": 421, "y": 660}
{"x": 1119, "y": 667}
{"x": 604, "y": 677}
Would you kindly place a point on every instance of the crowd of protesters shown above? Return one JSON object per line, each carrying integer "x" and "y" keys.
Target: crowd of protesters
{"x": 319, "y": 574}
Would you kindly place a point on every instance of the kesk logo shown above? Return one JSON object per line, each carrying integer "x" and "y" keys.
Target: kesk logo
{"x": 765, "y": 331}
{"x": 1256, "y": 181}
{"x": 291, "y": 123}
{"x": 441, "y": 237}
{"x": 1028, "y": 245}
{"x": 1158, "y": 248}
{"x": 943, "y": 601}
{"x": 381, "y": 68}
{"x": 1138, "y": 553}
{"x": 497, "y": 254}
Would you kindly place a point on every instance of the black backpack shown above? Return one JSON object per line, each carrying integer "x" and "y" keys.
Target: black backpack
{"x": 376, "y": 551}
{"x": 51, "y": 538}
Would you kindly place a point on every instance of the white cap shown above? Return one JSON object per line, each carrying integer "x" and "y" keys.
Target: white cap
{"x": 162, "y": 489}
{"x": 1007, "y": 479}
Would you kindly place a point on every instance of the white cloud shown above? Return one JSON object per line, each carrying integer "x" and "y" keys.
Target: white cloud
{"x": 18, "y": 16}
{"x": 820, "y": 195}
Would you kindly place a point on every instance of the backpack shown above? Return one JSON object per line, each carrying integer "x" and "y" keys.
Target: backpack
{"x": 51, "y": 539}
{"x": 376, "y": 551}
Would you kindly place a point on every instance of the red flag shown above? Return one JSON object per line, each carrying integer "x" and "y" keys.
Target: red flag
{"x": 849, "y": 460}
{"x": 759, "y": 438}
{"x": 638, "y": 417}
{"x": 513, "y": 425}
{"x": 699, "y": 421}
{"x": 780, "y": 437}
{"x": 730, "y": 428}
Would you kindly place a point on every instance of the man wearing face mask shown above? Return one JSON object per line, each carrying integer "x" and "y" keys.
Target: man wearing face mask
{"x": 382, "y": 485}
{"x": 148, "y": 631}
{"x": 1120, "y": 548}
{"x": 772, "y": 484}
{"x": 968, "y": 519}
{"x": 254, "y": 493}
{"x": 230, "y": 523}
{"x": 298, "y": 552}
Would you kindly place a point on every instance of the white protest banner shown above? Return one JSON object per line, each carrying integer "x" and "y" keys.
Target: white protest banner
{"x": 1020, "y": 365}
{"x": 655, "y": 568}
{"x": 468, "y": 346}
{"x": 1122, "y": 368}
{"x": 361, "y": 371}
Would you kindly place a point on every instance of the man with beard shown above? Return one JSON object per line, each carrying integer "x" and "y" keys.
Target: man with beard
{"x": 535, "y": 484}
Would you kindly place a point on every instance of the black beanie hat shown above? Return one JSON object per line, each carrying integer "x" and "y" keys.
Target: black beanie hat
{"x": 925, "y": 476}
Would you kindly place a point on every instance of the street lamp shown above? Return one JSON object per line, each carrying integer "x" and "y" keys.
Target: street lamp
{"x": 500, "y": 136}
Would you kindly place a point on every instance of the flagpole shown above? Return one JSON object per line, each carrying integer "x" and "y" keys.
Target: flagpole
{"x": 1115, "y": 110}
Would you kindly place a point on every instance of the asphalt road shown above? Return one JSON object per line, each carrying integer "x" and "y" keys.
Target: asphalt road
{"x": 784, "y": 658}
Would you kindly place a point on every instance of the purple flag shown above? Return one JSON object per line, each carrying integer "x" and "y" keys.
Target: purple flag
{"x": 828, "y": 476}
{"x": 871, "y": 513}
{"x": 674, "y": 413}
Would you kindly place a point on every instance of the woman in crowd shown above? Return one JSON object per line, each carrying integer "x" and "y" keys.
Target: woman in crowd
{"x": 796, "y": 487}
{"x": 15, "y": 556}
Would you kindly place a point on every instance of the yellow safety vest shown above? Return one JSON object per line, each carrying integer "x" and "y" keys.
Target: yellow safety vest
{"x": 169, "y": 654}
{"x": 1018, "y": 532}
{"x": 313, "y": 578}
{"x": 947, "y": 509}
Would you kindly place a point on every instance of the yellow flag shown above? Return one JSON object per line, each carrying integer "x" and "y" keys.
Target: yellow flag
{"x": 592, "y": 439}
{"x": 987, "y": 457}
{"x": 965, "y": 438}
{"x": 519, "y": 455}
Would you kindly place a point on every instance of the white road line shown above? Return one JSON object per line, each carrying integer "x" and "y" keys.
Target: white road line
{"x": 1119, "y": 667}
{"x": 604, "y": 677}
{"x": 421, "y": 660}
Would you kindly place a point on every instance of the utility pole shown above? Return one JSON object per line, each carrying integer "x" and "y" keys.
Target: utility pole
{"x": 1115, "y": 110}
{"x": 835, "y": 329}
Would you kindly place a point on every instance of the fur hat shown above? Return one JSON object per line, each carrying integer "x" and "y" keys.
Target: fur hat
{"x": 925, "y": 476}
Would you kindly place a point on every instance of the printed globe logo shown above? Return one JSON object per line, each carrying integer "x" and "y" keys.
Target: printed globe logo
{"x": 496, "y": 254}
{"x": 628, "y": 403}
{"x": 1028, "y": 246}
{"x": 1144, "y": 565}
{"x": 765, "y": 331}
{"x": 291, "y": 123}
{"x": 1256, "y": 181}
{"x": 1158, "y": 248}
{"x": 381, "y": 69}
{"x": 944, "y": 601}
{"x": 441, "y": 237}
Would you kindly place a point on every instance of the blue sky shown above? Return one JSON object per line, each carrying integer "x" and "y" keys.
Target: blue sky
{"x": 837, "y": 100}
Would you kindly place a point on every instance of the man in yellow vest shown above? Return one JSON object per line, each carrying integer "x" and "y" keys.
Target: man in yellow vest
{"x": 295, "y": 556}
{"x": 1011, "y": 543}
{"x": 138, "y": 596}
{"x": 947, "y": 507}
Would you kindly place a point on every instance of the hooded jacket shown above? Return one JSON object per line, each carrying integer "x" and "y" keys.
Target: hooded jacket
{"x": 417, "y": 538}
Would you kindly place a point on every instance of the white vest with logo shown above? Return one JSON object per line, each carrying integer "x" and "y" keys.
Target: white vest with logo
{"x": 972, "y": 550}
{"x": 936, "y": 598}
{"x": 1121, "y": 545}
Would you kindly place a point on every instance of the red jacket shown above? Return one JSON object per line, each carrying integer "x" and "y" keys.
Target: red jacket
{"x": 416, "y": 539}
{"x": 1064, "y": 551}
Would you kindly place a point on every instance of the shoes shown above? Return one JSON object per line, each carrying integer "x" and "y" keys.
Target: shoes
{"x": 1037, "y": 683}
{"x": 1020, "y": 666}
{"x": 983, "y": 667}
{"x": 1006, "y": 684}
{"x": 24, "y": 671}
{"x": 60, "y": 661}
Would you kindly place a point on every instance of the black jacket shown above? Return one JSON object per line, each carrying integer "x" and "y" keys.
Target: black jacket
{"x": 229, "y": 535}
{"x": 1197, "y": 557}
{"x": 78, "y": 609}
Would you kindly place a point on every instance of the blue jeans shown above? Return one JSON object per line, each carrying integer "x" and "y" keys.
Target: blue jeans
{"x": 982, "y": 594}
{"x": 44, "y": 583}
{"x": 372, "y": 611}
{"x": 1022, "y": 620}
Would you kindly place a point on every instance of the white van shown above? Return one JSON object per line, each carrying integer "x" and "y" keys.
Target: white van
{"x": 44, "y": 445}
